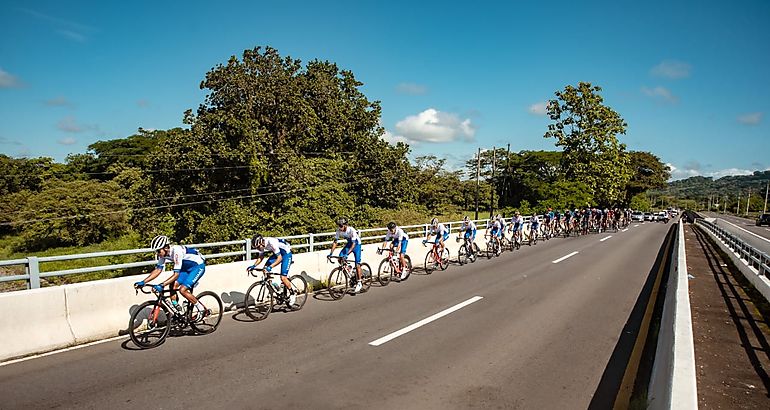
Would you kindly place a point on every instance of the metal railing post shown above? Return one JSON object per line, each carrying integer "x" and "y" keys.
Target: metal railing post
{"x": 247, "y": 248}
{"x": 311, "y": 242}
{"x": 33, "y": 269}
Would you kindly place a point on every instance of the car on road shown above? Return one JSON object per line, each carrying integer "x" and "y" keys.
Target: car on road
{"x": 637, "y": 216}
{"x": 763, "y": 219}
{"x": 648, "y": 216}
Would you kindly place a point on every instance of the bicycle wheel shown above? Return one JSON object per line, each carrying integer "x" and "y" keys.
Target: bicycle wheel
{"x": 490, "y": 249}
{"x": 444, "y": 262}
{"x": 462, "y": 255}
{"x": 258, "y": 300}
{"x": 384, "y": 272}
{"x": 430, "y": 263}
{"x": 208, "y": 322}
{"x": 407, "y": 269}
{"x": 366, "y": 277}
{"x": 299, "y": 286}
{"x": 338, "y": 283}
{"x": 476, "y": 253}
{"x": 149, "y": 324}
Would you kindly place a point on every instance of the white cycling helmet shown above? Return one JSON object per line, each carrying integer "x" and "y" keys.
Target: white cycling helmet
{"x": 159, "y": 242}
{"x": 434, "y": 222}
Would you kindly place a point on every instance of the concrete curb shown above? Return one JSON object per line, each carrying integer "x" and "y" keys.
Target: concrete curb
{"x": 673, "y": 382}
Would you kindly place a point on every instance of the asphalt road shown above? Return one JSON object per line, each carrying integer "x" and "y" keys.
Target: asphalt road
{"x": 746, "y": 229}
{"x": 540, "y": 337}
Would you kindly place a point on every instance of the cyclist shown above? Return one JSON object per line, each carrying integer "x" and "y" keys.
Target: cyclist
{"x": 495, "y": 230}
{"x": 441, "y": 232}
{"x": 517, "y": 224}
{"x": 399, "y": 240}
{"x": 281, "y": 255}
{"x": 189, "y": 267}
{"x": 534, "y": 225}
{"x": 468, "y": 229}
{"x": 353, "y": 243}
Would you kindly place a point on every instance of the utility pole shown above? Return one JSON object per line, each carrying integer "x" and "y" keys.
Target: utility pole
{"x": 738, "y": 207}
{"x": 494, "y": 184}
{"x": 764, "y": 211}
{"x": 508, "y": 169}
{"x": 709, "y": 208}
{"x": 748, "y": 201}
{"x": 478, "y": 170}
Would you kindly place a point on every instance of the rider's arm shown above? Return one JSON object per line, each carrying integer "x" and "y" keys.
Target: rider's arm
{"x": 154, "y": 274}
{"x": 277, "y": 260}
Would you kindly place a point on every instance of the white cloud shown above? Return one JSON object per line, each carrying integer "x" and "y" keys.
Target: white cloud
{"x": 69, "y": 29}
{"x": 691, "y": 170}
{"x": 432, "y": 125}
{"x": 67, "y": 141}
{"x": 540, "y": 108}
{"x": 7, "y": 80}
{"x": 671, "y": 69}
{"x": 393, "y": 139}
{"x": 70, "y": 124}
{"x": 412, "y": 89}
{"x": 6, "y": 141}
{"x": 752, "y": 118}
{"x": 59, "y": 101}
{"x": 660, "y": 93}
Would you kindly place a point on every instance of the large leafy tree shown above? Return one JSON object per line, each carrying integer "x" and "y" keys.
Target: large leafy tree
{"x": 265, "y": 115}
{"x": 587, "y": 129}
{"x": 647, "y": 172}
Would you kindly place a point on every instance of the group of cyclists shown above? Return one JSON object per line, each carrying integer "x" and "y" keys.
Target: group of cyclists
{"x": 189, "y": 265}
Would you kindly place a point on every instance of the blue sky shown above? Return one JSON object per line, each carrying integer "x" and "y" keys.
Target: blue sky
{"x": 690, "y": 78}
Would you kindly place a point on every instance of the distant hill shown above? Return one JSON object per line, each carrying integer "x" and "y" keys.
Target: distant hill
{"x": 700, "y": 188}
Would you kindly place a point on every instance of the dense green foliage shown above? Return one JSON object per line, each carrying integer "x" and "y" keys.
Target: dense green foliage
{"x": 285, "y": 148}
{"x": 723, "y": 193}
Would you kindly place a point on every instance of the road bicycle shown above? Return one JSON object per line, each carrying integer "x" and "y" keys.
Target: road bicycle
{"x": 533, "y": 236}
{"x": 506, "y": 244}
{"x": 344, "y": 277}
{"x": 266, "y": 293}
{"x": 516, "y": 239}
{"x": 468, "y": 252}
{"x": 390, "y": 265}
{"x": 435, "y": 261}
{"x": 493, "y": 248}
{"x": 153, "y": 320}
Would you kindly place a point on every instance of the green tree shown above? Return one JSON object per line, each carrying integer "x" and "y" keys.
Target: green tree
{"x": 586, "y": 129}
{"x": 72, "y": 213}
{"x": 647, "y": 172}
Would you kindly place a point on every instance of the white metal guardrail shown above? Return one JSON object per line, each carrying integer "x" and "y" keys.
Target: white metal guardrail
{"x": 301, "y": 243}
{"x": 752, "y": 256}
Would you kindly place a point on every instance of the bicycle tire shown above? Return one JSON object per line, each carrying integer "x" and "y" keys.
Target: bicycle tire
{"x": 366, "y": 278}
{"x": 337, "y": 284}
{"x": 462, "y": 254}
{"x": 444, "y": 262}
{"x": 208, "y": 323}
{"x": 406, "y": 271}
{"x": 430, "y": 262}
{"x": 258, "y": 301}
{"x": 299, "y": 286}
{"x": 490, "y": 250}
{"x": 156, "y": 324}
{"x": 384, "y": 272}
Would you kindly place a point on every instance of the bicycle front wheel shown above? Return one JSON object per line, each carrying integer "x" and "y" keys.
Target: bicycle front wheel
{"x": 299, "y": 286}
{"x": 149, "y": 324}
{"x": 338, "y": 283}
{"x": 430, "y": 263}
{"x": 259, "y": 301}
{"x": 462, "y": 255}
{"x": 406, "y": 270}
{"x": 444, "y": 262}
{"x": 384, "y": 272}
{"x": 208, "y": 320}
{"x": 366, "y": 277}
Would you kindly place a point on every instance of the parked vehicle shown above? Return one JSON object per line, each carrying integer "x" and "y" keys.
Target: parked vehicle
{"x": 648, "y": 216}
{"x": 637, "y": 216}
{"x": 763, "y": 219}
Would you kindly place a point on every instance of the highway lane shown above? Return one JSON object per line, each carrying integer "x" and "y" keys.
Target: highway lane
{"x": 541, "y": 337}
{"x": 746, "y": 229}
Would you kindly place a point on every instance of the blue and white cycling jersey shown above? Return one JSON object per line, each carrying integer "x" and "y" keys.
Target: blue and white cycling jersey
{"x": 495, "y": 227}
{"x": 440, "y": 231}
{"x": 469, "y": 228}
{"x": 518, "y": 223}
{"x": 534, "y": 220}
{"x": 399, "y": 237}
{"x": 278, "y": 247}
{"x": 188, "y": 263}
{"x": 350, "y": 234}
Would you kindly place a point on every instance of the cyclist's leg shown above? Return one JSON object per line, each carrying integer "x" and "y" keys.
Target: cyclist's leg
{"x": 285, "y": 265}
{"x": 357, "y": 254}
{"x": 187, "y": 281}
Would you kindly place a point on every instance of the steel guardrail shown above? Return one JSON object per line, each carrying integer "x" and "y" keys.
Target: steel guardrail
{"x": 754, "y": 257}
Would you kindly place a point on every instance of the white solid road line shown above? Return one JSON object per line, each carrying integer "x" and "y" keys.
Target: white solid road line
{"x": 624, "y": 230}
{"x": 425, "y": 321}
{"x": 565, "y": 257}
{"x": 605, "y": 238}
{"x": 747, "y": 231}
{"x": 635, "y": 226}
